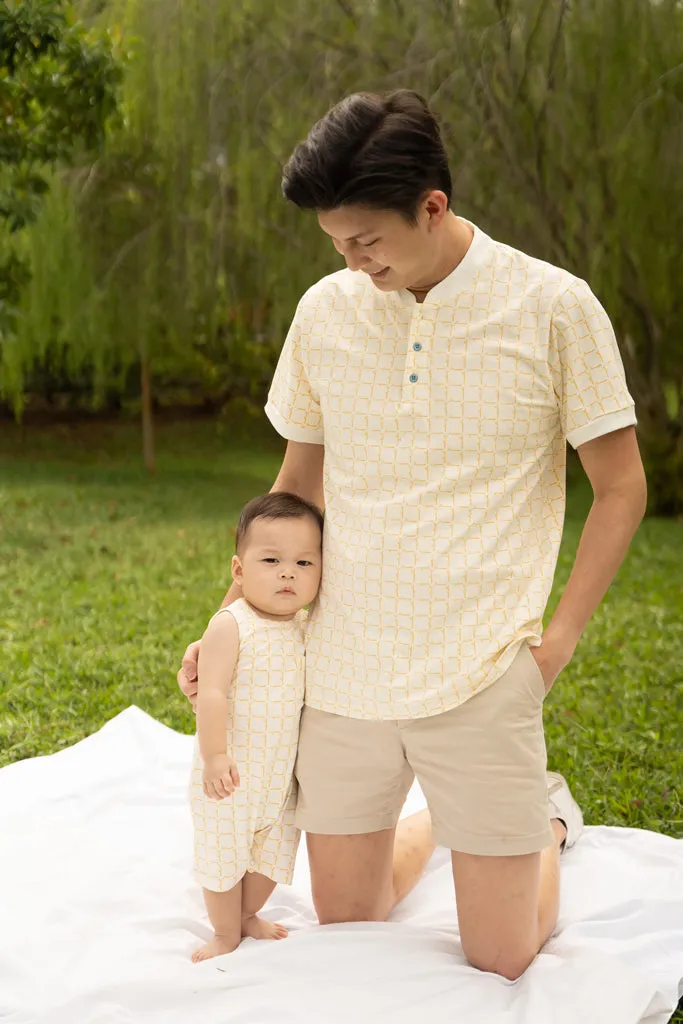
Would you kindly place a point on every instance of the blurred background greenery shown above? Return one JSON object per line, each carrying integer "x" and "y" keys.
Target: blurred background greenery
{"x": 147, "y": 260}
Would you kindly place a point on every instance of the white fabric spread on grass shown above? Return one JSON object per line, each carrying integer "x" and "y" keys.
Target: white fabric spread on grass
{"x": 98, "y": 916}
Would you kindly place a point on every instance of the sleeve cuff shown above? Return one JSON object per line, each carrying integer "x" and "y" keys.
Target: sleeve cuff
{"x": 291, "y": 432}
{"x": 603, "y": 425}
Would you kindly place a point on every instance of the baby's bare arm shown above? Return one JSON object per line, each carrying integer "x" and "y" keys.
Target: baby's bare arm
{"x": 217, "y": 660}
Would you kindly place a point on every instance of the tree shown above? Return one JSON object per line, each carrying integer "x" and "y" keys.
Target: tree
{"x": 564, "y": 126}
{"x": 568, "y": 123}
{"x": 57, "y": 89}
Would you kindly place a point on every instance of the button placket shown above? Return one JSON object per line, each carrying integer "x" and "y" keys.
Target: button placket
{"x": 415, "y": 346}
{"x": 414, "y": 402}
{"x": 421, "y": 332}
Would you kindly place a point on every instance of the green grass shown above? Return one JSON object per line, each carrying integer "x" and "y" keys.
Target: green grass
{"x": 106, "y": 574}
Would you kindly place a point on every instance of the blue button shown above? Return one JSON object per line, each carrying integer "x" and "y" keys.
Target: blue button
{"x": 417, "y": 346}
{"x": 413, "y": 378}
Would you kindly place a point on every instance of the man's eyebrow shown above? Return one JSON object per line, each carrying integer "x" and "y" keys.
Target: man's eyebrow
{"x": 354, "y": 238}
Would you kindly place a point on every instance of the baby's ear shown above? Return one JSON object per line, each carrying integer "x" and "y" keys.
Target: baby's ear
{"x": 236, "y": 569}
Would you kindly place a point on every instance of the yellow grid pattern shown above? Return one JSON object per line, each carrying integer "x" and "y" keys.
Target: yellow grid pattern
{"x": 253, "y": 830}
{"x": 445, "y": 426}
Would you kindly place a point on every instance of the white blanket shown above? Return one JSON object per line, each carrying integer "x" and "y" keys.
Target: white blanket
{"x": 99, "y": 914}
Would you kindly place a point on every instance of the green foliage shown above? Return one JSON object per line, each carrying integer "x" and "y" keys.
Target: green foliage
{"x": 565, "y": 131}
{"x": 57, "y": 88}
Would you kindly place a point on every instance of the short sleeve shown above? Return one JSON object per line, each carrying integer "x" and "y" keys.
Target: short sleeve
{"x": 293, "y": 406}
{"x": 588, "y": 374}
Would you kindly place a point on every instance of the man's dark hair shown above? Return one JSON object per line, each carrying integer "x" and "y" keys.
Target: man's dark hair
{"x": 379, "y": 150}
{"x": 277, "y": 505}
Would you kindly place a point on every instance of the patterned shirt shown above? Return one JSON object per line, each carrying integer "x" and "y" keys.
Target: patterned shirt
{"x": 445, "y": 426}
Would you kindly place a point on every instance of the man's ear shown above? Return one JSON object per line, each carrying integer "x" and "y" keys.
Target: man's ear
{"x": 236, "y": 570}
{"x": 436, "y": 208}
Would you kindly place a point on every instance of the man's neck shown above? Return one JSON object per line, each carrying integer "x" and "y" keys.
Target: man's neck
{"x": 457, "y": 238}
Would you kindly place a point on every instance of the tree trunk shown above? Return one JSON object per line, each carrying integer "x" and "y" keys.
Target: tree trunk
{"x": 147, "y": 415}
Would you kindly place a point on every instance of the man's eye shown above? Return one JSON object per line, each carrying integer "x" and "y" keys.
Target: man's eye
{"x": 366, "y": 245}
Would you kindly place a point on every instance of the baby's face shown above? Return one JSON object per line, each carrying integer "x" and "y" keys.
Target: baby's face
{"x": 279, "y": 565}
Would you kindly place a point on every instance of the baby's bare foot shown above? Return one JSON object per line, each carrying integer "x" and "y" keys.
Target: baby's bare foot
{"x": 216, "y": 946}
{"x": 256, "y": 928}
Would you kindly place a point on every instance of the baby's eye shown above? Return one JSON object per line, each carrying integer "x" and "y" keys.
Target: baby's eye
{"x": 302, "y": 561}
{"x": 270, "y": 559}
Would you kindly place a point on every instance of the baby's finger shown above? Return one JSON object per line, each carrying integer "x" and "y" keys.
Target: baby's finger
{"x": 226, "y": 783}
{"x": 216, "y": 790}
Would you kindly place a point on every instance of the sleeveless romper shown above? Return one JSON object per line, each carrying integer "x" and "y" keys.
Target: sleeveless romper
{"x": 253, "y": 830}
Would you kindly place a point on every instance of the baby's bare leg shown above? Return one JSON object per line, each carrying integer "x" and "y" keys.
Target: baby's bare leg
{"x": 225, "y": 914}
{"x": 255, "y": 891}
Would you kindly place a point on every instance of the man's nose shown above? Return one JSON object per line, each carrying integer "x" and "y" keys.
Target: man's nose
{"x": 354, "y": 259}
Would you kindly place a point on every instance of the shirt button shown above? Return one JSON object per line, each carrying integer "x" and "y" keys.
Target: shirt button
{"x": 413, "y": 378}
{"x": 417, "y": 346}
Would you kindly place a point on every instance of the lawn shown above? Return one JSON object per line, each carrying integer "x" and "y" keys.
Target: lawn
{"x": 107, "y": 573}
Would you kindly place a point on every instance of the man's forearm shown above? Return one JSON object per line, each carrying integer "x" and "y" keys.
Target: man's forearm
{"x": 608, "y": 531}
{"x": 233, "y": 594}
{"x": 313, "y": 493}
{"x": 282, "y": 483}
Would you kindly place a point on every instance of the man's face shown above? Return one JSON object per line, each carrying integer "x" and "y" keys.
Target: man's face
{"x": 384, "y": 245}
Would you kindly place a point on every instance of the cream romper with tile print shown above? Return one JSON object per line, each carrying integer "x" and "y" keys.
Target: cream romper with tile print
{"x": 253, "y": 830}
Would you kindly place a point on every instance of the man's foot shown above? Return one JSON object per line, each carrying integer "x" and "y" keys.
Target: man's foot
{"x": 564, "y": 807}
{"x": 256, "y": 928}
{"x": 216, "y": 946}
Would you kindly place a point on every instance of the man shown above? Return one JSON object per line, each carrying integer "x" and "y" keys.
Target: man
{"x": 440, "y": 376}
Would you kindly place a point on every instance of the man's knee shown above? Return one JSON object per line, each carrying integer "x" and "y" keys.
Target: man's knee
{"x": 509, "y": 963}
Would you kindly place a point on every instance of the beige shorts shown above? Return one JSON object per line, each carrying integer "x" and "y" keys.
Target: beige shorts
{"x": 481, "y": 767}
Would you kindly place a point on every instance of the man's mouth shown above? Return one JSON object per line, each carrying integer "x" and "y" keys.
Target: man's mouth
{"x": 379, "y": 274}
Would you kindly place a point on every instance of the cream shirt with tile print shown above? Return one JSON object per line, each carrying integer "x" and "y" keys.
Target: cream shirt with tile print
{"x": 253, "y": 830}
{"x": 445, "y": 426}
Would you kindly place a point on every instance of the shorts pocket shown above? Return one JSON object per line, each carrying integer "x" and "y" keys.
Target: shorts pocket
{"x": 535, "y": 679}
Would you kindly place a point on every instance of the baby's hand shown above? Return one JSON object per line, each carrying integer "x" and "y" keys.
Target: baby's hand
{"x": 220, "y": 777}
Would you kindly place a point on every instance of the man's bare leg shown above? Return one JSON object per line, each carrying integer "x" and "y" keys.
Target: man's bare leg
{"x": 507, "y": 906}
{"x": 363, "y": 877}
{"x": 256, "y": 889}
{"x": 413, "y": 848}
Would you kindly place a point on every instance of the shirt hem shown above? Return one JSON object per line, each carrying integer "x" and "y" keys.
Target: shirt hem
{"x": 404, "y": 714}
{"x": 603, "y": 425}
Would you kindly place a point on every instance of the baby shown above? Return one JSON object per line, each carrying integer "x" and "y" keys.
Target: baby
{"x": 250, "y": 695}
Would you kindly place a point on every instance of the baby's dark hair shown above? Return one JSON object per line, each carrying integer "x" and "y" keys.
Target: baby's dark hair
{"x": 276, "y": 505}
